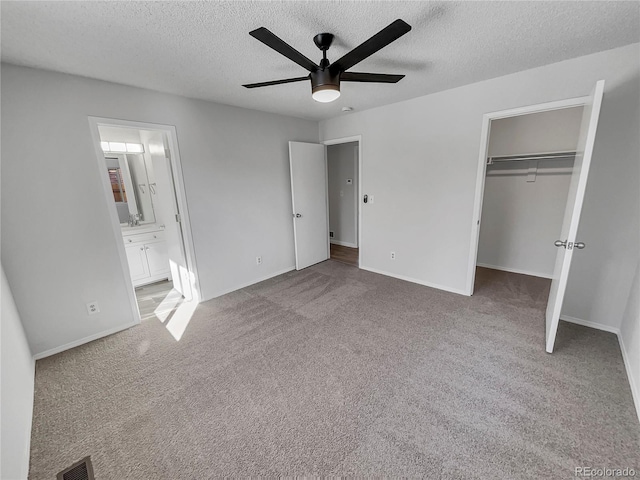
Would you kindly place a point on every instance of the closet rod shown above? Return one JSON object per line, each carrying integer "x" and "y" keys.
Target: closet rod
{"x": 540, "y": 156}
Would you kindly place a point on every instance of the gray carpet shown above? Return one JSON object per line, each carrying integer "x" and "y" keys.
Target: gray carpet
{"x": 337, "y": 371}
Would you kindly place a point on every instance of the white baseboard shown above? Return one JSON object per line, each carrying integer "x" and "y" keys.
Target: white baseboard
{"x": 248, "y": 284}
{"x": 515, "y": 270}
{"x": 415, "y": 280}
{"x": 27, "y": 453}
{"x": 82, "y": 341}
{"x": 344, "y": 244}
{"x": 586, "y": 323}
{"x": 635, "y": 393}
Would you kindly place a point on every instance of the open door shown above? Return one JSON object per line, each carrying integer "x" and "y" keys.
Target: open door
{"x": 309, "y": 201}
{"x": 168, "y": 212}
{"x": 567, "y": 243}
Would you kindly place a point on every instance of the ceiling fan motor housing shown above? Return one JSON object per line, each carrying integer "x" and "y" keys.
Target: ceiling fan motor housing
{"x": 324, "y": 80}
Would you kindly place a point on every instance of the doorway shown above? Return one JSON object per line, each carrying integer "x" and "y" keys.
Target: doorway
{"x": 534, "y": 152}
{"x": 529, "y": 165}
{"x": 309, "y": 170}
{"x": 342, "y": 187}
{"x": 140, "y": 167}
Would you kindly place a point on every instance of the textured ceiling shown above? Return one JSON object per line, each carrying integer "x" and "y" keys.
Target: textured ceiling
{"x": 203, "y": 49}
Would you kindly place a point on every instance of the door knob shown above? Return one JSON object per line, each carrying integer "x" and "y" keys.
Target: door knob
{"x": 579, "y": 245}
{"x": 560, "y": 243}
{"x": 297, "y": 215}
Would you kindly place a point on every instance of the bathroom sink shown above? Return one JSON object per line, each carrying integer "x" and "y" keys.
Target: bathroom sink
{"x": 126, "y": 229}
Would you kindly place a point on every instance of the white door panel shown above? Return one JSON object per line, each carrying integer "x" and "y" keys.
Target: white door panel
{"x": 573, "y": 209}
{"x": 164, "y": 197}
{"x": 309, "y": 200}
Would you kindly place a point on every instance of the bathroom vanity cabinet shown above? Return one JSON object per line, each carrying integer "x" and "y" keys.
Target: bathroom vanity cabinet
{"x": 147, "y": 256}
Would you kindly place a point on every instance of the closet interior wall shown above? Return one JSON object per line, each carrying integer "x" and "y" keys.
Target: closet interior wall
{"x": 524, "y": 201}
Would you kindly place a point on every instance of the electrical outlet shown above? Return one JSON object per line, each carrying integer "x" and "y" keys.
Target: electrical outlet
{"x": 93, "y": 308}
{"x": 393, "y": 255}
{"x": 258, "y": 260}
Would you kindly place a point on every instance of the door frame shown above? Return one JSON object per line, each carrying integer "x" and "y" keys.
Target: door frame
{"x": 179, "y": 191}
{"x": 487, "y": 118}
{"x": 339, "y": 141}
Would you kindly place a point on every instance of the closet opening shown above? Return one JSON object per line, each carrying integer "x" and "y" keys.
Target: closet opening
{"x": 342, "y": 189}
{"x": 529, "y": 165}
{"x": 139, "y": 165}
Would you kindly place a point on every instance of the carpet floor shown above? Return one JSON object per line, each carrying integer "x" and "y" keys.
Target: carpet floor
{"x": 333, "y": 371}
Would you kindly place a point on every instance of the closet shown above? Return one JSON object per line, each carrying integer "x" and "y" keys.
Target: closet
{"x": 529, "y": 165}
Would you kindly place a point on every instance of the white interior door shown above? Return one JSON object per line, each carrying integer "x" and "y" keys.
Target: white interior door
{"x": 568, "y": 242}
{"x": 309, "y": 200}
{"x": 164, "y": 197}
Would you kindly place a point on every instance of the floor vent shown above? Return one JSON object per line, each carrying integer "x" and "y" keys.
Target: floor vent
{"x": 81, "y": 470}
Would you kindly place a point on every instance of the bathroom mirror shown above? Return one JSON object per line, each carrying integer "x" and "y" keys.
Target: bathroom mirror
{"x": 132, "y": 190}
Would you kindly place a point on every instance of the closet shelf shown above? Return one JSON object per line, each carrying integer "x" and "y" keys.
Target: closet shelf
{"x": 531, "y": 156}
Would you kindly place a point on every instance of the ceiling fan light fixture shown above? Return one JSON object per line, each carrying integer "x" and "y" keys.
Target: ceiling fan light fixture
{"x": 325, "y": 77}
{"x": 325, "y": 93}
{"x": 325, "y": 86}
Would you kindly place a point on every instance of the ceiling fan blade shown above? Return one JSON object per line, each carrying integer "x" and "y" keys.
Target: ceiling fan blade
{"x": 276, "y": 82}
{"x": 370, "y": 77}
{"x": 380, "y": 40}
{"x": 280, "y": 46}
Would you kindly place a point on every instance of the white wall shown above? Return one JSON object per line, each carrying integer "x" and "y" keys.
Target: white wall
{"x": 18, "y": 369}
{"x": 342, "y": 164}
{"x": 553, "y": 131}
{"x": 522, "y": 219}
{"x": 116, "y": 134}
{"x": 59, "y": 250}
{"x": 420, "y": 161}
{"x": 630, "y": 338}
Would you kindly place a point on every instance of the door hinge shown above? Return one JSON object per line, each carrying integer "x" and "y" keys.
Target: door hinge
{"x": 533, "y": 170}
{"x": 167, "y": 153}
{"x": 178, "y": 219}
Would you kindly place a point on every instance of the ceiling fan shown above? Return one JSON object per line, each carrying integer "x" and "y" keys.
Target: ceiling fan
{"x": 326, "y": 77}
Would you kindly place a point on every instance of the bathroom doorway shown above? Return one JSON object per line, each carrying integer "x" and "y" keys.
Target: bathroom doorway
{"x": 342, "y": 188}
{"x": 140, "y": 167}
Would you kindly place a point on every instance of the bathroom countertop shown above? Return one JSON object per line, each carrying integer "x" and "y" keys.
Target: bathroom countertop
{"x": 126, "y": 230}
